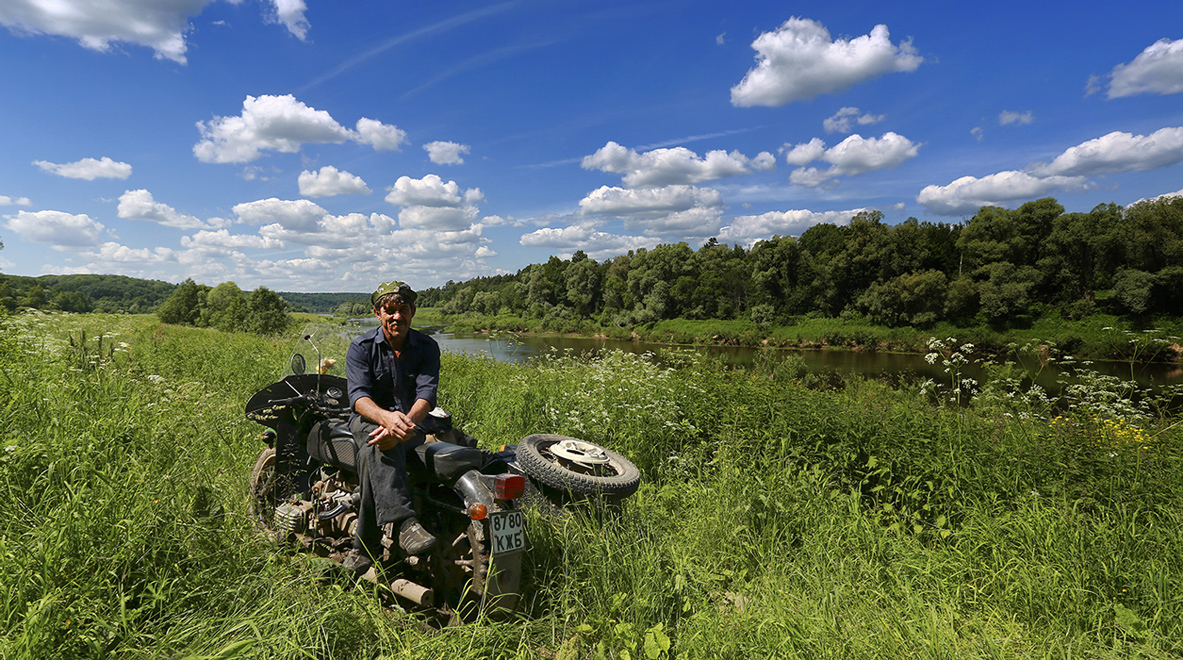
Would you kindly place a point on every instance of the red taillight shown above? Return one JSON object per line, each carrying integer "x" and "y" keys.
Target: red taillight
{"x": 509, "y": 486}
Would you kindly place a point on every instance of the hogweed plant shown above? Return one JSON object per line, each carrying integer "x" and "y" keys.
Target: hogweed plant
{"x": 959, "y": 389}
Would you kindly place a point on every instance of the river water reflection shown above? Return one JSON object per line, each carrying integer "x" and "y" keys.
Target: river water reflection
{"x": 509, "y": 348}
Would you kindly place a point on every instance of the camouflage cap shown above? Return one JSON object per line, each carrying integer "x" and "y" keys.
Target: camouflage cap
{"x": 394, "y": 286}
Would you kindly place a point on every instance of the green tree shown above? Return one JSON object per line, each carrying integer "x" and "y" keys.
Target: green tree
{"x": 266, "y": 312}
{"x": 1133, "y": 290}
{"x": 185, "y": 304}
{"x": 226, "y": 307}
{"x": 582, "y": 280}
{"x": 34, "y": 297}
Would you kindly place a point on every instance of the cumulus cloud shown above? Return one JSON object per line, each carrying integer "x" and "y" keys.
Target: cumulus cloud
{"x": 382, "y": 137}
{"x": 97, "y": 26}
{"x": 299, "y": 214}
{"x": 430, "y": 203}
{"x": 87, "y": 168}
{"x": 853, "y": 156}
{"x": 221, "y": 239}
{"x": 139, "y": 205}
{"x": 845, "y": 119}
{"x": 614, "y": 201}
{"x": 1117, "y": 152}
{"x": 968, "y": 194}
{"x": 283, "y": 124}
{"x": 116, "y": 253}
{"x": 446, "y": 153}
{"x": 57, "y": 228}
{"x": 680, "y": 208}
{"x": 1007, "y": 117}
{"x": 747, "y": 229}
{"x": 330, "y": 181}
{"x": 677, "y": 166}
{"x": 800, "y": 61}
{"x": 1156, "y": 70}
{"x": 595, "y": 243}
{"x": 290, "y": 14}
{"x": 5, "y": 200}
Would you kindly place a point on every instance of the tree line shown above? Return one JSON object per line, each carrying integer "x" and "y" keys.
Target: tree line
{"x": 83, "y": 293}
{"x": 226, "y": 307}
{"x": 1003, "y": 267}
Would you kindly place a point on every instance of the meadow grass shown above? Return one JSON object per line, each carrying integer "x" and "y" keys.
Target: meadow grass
{"x": 779, "y": 516}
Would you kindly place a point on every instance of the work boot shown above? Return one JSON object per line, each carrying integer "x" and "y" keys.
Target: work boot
{"x": 357, "y": 562}
{"x": 413, "y": 539}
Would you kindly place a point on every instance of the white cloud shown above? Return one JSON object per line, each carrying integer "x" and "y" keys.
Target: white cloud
{"x": 677, "y": 166}
{"x": 5, "y": 200}
{"x": 1156, "y": 70}
{"x": 746, "y": 229}
{"x": 290, "y": 13}
{"x": 853, "y": 156}
{"x": 430, "y": 203}
{"x": 845, "y": 119}
{"x": 484, "y": 252}
{"x": 968, "y": 194}
{"x": 382, "y": 137}
{"x": 428, "y": 191}
{"x": 1010, "y": 117}
{"x": 1177, "y": 193}
{"x": 283, "y": 124}
{"x": 56, "y": 228}
{"x": 614, "y": 201}
{"x": 221, "y": 239}
{"x": 595, "y": 243}
{"x": 446, "y": 153}
{"x": 804, "y": 153}
{"x": 800, "y": 61}
{"x": 115, "y": 253}
{"x": 160, "y": 26}
{"x": 299, "y": 214}
{"x": 98, "y": 26}
{"x": 680, "y": 208}
{"x": 139, "y": 205}
{"x": 330, "y": 181}
{"x": 87, "y": 168}
{"x": 1117, "y": 152}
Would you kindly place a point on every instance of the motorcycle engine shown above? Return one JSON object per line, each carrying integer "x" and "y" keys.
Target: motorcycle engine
{"x": 292, "y": 518}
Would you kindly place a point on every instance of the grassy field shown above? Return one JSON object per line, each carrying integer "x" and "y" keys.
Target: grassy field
{"x": 778, "y": 516}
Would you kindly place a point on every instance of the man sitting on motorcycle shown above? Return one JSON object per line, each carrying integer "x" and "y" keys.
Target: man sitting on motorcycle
{"x": 393, "y": 373}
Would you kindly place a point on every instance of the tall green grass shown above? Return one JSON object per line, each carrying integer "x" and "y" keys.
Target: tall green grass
{"x": 778, "y": 516}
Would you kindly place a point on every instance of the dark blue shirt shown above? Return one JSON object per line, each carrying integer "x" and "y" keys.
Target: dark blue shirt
{"x": 393, "y": 384}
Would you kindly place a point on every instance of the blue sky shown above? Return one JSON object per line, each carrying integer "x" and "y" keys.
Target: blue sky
{"x": 309, "y": 145}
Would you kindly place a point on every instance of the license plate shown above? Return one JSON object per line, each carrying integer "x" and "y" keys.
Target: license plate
{"x": 509, "y": 532}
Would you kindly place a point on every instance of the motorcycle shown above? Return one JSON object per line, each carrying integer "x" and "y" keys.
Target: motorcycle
{"x": 304, "y": 485}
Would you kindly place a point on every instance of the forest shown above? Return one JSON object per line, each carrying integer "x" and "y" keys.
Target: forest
{"x": 84, "y": 293}
{"x": 1002, "y": 268}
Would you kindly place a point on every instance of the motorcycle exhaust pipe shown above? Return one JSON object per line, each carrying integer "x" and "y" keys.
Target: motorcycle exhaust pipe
{"x": 418, "y": 594}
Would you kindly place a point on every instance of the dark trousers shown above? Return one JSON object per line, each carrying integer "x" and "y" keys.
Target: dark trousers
{"x": 383, "y": 478}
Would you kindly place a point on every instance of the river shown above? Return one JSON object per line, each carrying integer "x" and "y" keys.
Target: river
{"x": 510, "y": 348}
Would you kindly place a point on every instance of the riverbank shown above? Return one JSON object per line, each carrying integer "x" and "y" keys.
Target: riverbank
{"x": 1099, "y": 337}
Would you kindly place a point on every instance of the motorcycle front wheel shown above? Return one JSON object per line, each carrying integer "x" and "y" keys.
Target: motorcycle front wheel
{"x": 577, "y": 466}
{"x": 263, "y": 502}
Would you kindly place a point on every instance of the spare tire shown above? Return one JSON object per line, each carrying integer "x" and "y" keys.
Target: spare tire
{"x": 577, "y": 466}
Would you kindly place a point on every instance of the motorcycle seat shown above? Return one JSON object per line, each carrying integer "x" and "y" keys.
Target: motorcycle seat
{"x": 443, "y": 461}
{"x": 331, "y": 443}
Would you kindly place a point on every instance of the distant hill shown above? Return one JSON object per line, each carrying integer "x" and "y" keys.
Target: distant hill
{"x": 84, "y": 293}
{"x": 131, "y": 295}
{"x": 322, "y": 303}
